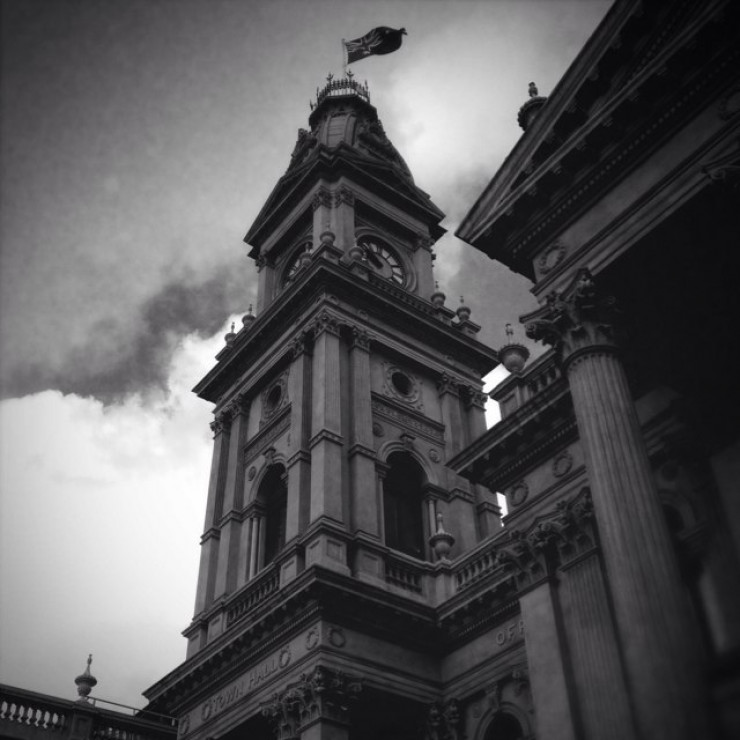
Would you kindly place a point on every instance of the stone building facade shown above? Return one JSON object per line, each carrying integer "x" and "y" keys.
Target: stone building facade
{"x": 349, "y": 434}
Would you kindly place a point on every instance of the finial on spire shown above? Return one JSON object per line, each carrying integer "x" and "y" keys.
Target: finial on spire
{"x": 248, "y": 318}
{"x": 533, "y": 90}
{"x": 509, "y": 331}
{"x": 230, "y": 336}
{"x": 463, "y": 312}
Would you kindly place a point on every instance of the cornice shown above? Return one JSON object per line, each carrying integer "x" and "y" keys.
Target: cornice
{"x": 330, "y": 164}
{"x": 637, "y": 116}
{"x": 520, "y": 430}
{"x": 325, "y": 278}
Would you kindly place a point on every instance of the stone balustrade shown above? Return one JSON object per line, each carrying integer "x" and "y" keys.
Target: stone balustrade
{"x": 27, "y": 715}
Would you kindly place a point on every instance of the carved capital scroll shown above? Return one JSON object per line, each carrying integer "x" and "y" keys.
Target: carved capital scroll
{"x": 318, "y": 694}
{"x": 576, "y": 319}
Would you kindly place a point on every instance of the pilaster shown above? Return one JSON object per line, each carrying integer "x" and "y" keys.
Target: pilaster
{"x": 209, "y": 543}
{"x": 364, "y": 503}
{"x": 449, "y": 400}
{"x": 657, "y": 634}
{"x": 342, "y": 217}
{"x": 326, "y": 440}
{"x": 231, "y": 524}
{"x": 299, "y": 459}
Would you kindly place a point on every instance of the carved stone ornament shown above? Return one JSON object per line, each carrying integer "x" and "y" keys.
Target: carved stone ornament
{"x": 402, "y": 385}
{"x": 319, "y": 694}
{"x": 325, "y": 322}
{"x": 576, "y": 319}
{"x": 298, "y": 346}
{"x": 360, "y": 338}
{"x": 322, "y": 197}
{"x": 551, "y": 258}
{"x": 274, "y": 397}
{"x": 444, "y": 721}
{"x": 562, "y": 464}
{"x": 518, "y": 493}
{"x": 474, "y": 397}
{"x": 221, "y": 423}
{"x": 447, "y": 384}
{"x": 344, "y": 195}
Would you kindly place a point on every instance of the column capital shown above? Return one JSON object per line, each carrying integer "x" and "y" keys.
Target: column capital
{"x": 325, "y": 322}
{"x": 444, "y": 721}
{"x": 575, "y": 319}
{"x": 299, "y": 345}
{"x": 222, "y": 423}
{"x": 343, "y": 195}
{"x": 322, "y": 197}
{"x": 474, "y": 396}
{"x": 447, "y": 384}
{"x": 319, "y": 694}
{"x": 360, "y": 338}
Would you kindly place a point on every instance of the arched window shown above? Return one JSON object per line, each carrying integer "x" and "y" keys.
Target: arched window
{"x": 403, "y": 505}
{"x": 273, "y": 495}
{"x": 504, "y": 727}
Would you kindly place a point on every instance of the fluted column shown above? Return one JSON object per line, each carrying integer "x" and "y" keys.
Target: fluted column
{"x": 209, "y": 542}
{"x": 649, "y": 598}
{"x": 603, "y": 701}
{"x": 547, "y": 656}
{"x": 326, "y": 441}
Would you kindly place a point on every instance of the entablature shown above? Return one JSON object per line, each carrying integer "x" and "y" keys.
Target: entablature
{"x": 322, "y": 285}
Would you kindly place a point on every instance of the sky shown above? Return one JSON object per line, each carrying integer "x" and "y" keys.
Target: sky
{"x": 138, "y": 141}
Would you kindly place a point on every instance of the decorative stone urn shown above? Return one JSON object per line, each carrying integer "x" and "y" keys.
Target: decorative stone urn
{"x": 513, "y": 357}
{"x": 441, "y": 541}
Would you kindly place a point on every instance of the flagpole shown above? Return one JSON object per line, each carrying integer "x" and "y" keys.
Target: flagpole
{"x": 344, "y": 57}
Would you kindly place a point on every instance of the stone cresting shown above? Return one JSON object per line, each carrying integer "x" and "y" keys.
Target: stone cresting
{"x": 319, "y": 694}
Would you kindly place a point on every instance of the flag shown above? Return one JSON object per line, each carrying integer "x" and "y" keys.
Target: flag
{"x": 381, "y": 40}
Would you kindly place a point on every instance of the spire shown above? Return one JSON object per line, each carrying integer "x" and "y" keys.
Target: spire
{"x": 85, "y": 682}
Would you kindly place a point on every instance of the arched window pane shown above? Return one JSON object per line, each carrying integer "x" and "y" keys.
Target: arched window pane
{"x": 403, "y": 505}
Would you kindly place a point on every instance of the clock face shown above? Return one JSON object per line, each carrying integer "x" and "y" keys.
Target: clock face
{"x": 294, "y": 262}
{"x": 382, "y": 260}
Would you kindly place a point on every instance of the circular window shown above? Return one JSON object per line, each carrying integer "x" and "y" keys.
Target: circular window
{"x": 402, "y": 383}
{"x": 273, "y": 399}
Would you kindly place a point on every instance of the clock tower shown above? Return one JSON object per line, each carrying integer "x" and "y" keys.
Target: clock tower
{"x": 331, "y": 516}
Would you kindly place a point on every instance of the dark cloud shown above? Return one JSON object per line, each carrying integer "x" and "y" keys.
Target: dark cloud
{"x": 121, "y": 357}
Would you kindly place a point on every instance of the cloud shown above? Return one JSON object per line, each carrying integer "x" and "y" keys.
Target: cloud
{"x": 91, "y": 495}
{"x": 124, "y": 354}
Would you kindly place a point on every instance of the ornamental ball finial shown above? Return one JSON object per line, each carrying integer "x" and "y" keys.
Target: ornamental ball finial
{"x": 463, "y": 312}
{"x": 230, "y": 336}
{"x": 248, "y": 318}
